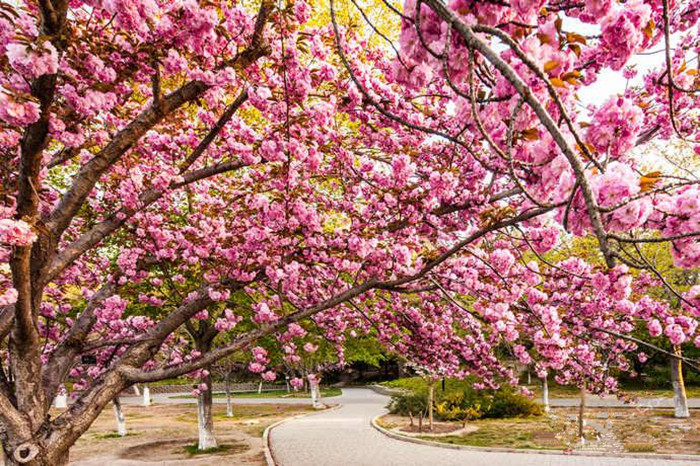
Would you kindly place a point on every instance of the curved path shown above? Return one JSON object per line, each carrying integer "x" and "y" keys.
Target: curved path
{"x": 344, "y": 437}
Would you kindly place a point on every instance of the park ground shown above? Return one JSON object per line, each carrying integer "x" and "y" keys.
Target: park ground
{"x": 165, "y": 433}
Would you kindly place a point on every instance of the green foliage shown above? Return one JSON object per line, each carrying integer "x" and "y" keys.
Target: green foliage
{"x": 508, "y": 403}
{"x": 460, "y": 401}
{"x": 452, "y": 407}
{"x": 409, "y": 403}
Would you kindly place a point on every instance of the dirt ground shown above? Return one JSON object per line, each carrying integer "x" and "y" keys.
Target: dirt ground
{"x": 159, "y": 435}
{"x": 634, "y": 431}
{"x": 652, "y": 430}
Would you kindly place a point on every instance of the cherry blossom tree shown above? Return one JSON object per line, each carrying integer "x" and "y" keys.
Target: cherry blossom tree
{"x": 160, "y": 157}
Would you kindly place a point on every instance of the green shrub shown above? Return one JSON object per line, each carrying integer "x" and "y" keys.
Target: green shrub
{"x": 452, "y": 407}
{"x": 508, "y": 403}
{"x": 408, "y": 404}
{"x": 460, "y": 401}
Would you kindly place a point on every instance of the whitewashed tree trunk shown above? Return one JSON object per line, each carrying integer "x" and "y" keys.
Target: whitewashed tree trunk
{"x": 229, "y": 406}
{"x": 146, "y": 396}
{"x": 61, "y": 401}
{"x": 119, "y": 415}
{"x": 205, "y": 415}
{"x": 315, "y": 393}
{"x": 680, "y": 399}
{"x": 259, "y": 388}
{"x": 137, "y": 392}
{"x": 529, "y": 378}
{"x": 205, "y": 422}
{"x": 545, "y": 393}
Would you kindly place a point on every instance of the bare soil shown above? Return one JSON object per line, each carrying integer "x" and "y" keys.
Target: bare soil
{"x": 652, "y": 430}
{"x": 637, "y": 430}
{"x": 159, "y": 434}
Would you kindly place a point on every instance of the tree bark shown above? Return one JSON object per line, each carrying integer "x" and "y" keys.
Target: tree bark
{"x": 34, "y": 455}
{"x": 545, "y": 393}
{"x": 205, "y": 417}
{"x": 119, "y": 415}
{"x": 680, "y": 399}
{"x": 204, "y": 336}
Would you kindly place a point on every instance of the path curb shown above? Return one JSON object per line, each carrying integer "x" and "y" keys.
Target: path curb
{"x": 385, "y": 390}
{"x": 269, "y": 457}
{"x": 404, "y": 438}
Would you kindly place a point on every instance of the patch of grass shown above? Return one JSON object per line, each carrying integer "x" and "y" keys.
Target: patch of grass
{"x": 325, "y": 393}
{"x": 193, "y": 450}
{"x": 530, "y": 433}
{"x": 250, "y": 411}
{"x": 640, "y": 447}
{"x": 116, "y": 435}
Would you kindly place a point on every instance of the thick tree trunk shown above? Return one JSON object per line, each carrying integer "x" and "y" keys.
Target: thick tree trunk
{"x": 680, "y": 399}
{"x": 545, "y": 393}
{"x": 205, "y": 417}
{"x": 229, "y": 406}
{"x": 203, "y": 338}
{"x": 119, "y": 415}
{"x": 35, "y": 455}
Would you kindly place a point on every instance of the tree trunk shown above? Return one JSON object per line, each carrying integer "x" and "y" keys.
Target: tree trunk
{"x": 315, "y": 392}
{"x": 229, "y": 406}
{"x": 35, "y": 455}
{"x": 431, "y": 397}
{"x": 146, "y": 396}
{"x": 119, "y": 415}
{"x": 205, "y": 417}
{"x": 581, "y": 409}
{"x": 680, "y": 399}
{"x": 545, "y": 393}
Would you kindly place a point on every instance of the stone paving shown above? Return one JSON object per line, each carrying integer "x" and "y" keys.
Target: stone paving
{"x": 344, "y": 437}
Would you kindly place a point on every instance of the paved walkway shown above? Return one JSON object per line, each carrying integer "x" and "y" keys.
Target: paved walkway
{"x": 344, "y": 437}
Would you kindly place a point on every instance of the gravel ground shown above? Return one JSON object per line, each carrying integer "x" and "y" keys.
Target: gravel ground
{"x": 344, "y": 437}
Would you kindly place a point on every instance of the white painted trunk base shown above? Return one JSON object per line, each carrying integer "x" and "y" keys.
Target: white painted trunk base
{"x": 146, "y": 396}
{"x": 61, "y": 401}
{"x": 315, "y": 395}
{"x": 121, "y": 419}
{"x": 680, "y": 399}
{"x": 206, "y": 428}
